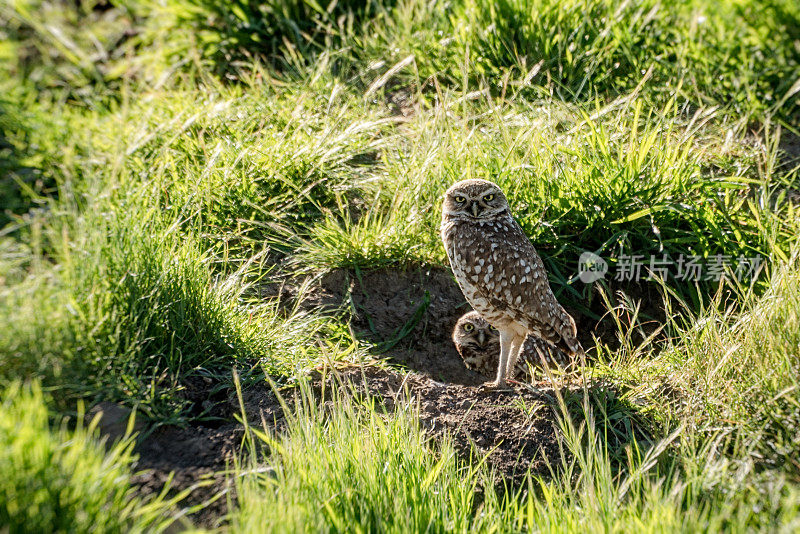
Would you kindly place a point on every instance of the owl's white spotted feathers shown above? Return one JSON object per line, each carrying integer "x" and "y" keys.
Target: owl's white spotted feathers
{"x": 500, "y": 273}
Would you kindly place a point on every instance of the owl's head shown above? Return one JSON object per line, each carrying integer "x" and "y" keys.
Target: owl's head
{"x": 474, "y": 199}
{"x": 477, "y": 342}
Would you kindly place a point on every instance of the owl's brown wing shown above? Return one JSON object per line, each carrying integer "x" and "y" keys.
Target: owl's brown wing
{"x": 524, "y": 291}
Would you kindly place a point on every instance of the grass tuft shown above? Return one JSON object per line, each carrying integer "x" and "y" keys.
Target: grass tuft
{"x": 64, "y": 480}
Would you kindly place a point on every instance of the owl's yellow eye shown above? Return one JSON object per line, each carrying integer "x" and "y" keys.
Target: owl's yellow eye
{"x": 493, "y": 329}
{"x": 488, "y": 198}
{"x": 468, "y": 328}
{"x": 459, "y": 199}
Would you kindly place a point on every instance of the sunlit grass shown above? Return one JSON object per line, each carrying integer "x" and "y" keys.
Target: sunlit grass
{"x": 346, "y": 465}
{"x": 739, "y": 371}
{"x": 61, "y": 480}
{"x": 137, "y": 308}
{"x": 350, "y": 464}
{"x": 612, "y": 180}
{"x": 163, "y": 163}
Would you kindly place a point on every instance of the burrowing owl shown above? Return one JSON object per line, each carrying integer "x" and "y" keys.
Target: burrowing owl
{"x": 500, "y": 273}
{"x": 478, "y": 343}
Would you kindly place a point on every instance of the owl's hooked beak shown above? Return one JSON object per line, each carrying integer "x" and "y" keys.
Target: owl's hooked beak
{"x": 475, "y": 208}
{"x": 482, "y": 339}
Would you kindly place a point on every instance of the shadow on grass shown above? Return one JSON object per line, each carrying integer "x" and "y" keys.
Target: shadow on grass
{"x": 285, "y": 32}
{"x": 23, "y": 187}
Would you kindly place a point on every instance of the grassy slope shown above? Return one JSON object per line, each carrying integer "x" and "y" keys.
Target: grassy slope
{"x": 155, "y": 177}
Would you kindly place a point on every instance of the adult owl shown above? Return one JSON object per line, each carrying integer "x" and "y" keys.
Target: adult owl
{"x": 500, "y": 273}
{"x": 478, "y": 343}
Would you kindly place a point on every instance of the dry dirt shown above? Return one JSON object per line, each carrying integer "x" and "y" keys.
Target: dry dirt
{"x": 789, "y": 159}
{"x": 515, "y": 428}
{"x": 408, "y": 317}
{"x": 790, "y": 149}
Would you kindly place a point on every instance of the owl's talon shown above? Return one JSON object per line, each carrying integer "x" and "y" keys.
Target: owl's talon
{"x": 494, "y": 385}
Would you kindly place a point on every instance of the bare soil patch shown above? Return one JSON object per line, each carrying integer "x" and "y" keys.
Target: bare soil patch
{"x": 790, "y": 149}
{"x": 408, "y": 317}
{"x": 789, "y": 159}
{"x": 516, "y": 429}
{"x": 196, "y": 458}
{"x": 199, "y": 456}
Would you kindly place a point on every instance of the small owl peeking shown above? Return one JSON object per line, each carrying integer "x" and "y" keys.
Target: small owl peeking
{"x": 501, "y": 275}
{"x": 478, "y": 343}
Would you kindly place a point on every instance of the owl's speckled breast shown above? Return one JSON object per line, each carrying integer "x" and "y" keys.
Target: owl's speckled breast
{"x": 468, "y": 248}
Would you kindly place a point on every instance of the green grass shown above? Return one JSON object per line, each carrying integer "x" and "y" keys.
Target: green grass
{"x": 734, "y": 55}
{"x": 348, "y": 464}
{"x": 614, "y": 180}
{"x": 352, "y": 467}
{"x": 740, "y": 56}
{"x": 164, "y": 164}
{"x": 136, "y": 313}
{"x": 739, "y": 370}
{"x": 61, "y": 480}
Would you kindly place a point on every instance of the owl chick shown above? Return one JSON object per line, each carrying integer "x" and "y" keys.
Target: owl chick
{"x": 500, "y": 273}
{"x": 478, "y": 343}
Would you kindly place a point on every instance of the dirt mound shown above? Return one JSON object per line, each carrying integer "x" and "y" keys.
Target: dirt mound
{"x": 516, "y": 429}
{"x": 790, "y": 149}
{"x": 192, "y": 458}
{"x": 407, "y": 317}
{"x": 198, "y": 456}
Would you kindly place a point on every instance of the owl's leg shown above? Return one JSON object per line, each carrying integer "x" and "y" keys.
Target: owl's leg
{"x": 506, "y": 338}
{"x": 514, "y": 353}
